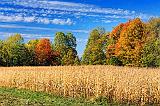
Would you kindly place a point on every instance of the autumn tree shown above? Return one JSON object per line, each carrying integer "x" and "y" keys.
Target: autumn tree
{"x": 94, "y": 52}
{"x": 131, "y": 41}
{"x": 43, "y": 52}
{"x": 111, "y": 45}
{"x": 55, "y": 58}
{"x": 32, "y": 44}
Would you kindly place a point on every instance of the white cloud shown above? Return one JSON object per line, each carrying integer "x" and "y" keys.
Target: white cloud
{"x": 53, "y": 12}
{"x": 62, "y": 21}
{"x": 69, "y": 6}
{"x": 29, "y": 19}
{"x": 43, "y": 20}
{"x": 12, "y": 18}
{"x": 20, "y": 18}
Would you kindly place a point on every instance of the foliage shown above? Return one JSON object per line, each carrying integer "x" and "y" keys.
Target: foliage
{"x": 17, "y": 39}
{"x": 77, "y": 61}
{"x": 153, "y": 27}
{"x": 14, "y": 52}
{"x": 114, "y": 61}
{"x": 31, "y": 45}
{"x": 129, "y": 46}
{"x": 1, "y": 53}
{"x": 66, "y": 46}
{"x": 55, "y": 58}
{"x": 69, "y": 58}
{"x": 60, "y": 43}
{"x": 151, "y": 51}
{"x": 133, "y": 43}
{"x": 71, "y": 41}
{"x": 151, "y": 54}
{"x": 127, "y": 41}
{"x": 111, "y": 45}
{"x": 43, "y": 52}
{"x": 94, "y": 52}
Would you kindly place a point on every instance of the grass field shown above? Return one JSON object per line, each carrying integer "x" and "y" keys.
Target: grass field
{"x": 22, "y": 97}
{"x": 115, "y": 84}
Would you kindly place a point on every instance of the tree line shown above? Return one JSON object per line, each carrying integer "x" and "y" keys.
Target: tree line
{"x": 134, "y": 43}
{"x": 39, "y": 52}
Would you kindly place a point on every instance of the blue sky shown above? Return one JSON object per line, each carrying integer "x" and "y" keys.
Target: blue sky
{"x": 42, "y": 18}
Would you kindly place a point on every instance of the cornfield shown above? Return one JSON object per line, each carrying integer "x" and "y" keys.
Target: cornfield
{"x": 119, "y": 84}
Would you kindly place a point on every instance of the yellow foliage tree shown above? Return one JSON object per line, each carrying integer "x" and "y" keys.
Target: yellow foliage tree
{"x": 130, "y": 44}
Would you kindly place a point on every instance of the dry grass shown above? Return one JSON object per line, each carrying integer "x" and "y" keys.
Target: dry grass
{"x": 120, "y": 84}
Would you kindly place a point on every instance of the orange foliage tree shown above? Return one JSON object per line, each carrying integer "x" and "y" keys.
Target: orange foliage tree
{"x": 112, "y": 40}
{"x": 43, "y": 52}
{"x": 130, "y": 43}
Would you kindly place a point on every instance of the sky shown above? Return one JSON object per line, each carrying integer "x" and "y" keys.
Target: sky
{"x": 35, "y": 19}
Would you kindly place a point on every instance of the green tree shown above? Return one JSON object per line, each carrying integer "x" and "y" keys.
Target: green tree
{"x": 71, "y": 41}
{"x": 69, "y": 58}
{"x": 77, "y": 61}
{"x": 14, "y": 52}
{"x": 151, "y": 51}
{"x": 151, "y": 54}
{"x": 31, "y": 45}
{"x": 1, "y": 55}
{"x": 60, "y": 43}
{"x": 95, "y": 49}
{"x": 66, "y": 46}
{"x": 153, "y": 27}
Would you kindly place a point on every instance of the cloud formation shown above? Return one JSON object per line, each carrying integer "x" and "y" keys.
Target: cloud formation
{"x": 20, "y": 18}
{"x": 60, "y": 13}
{"x": 69, "y": 6}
